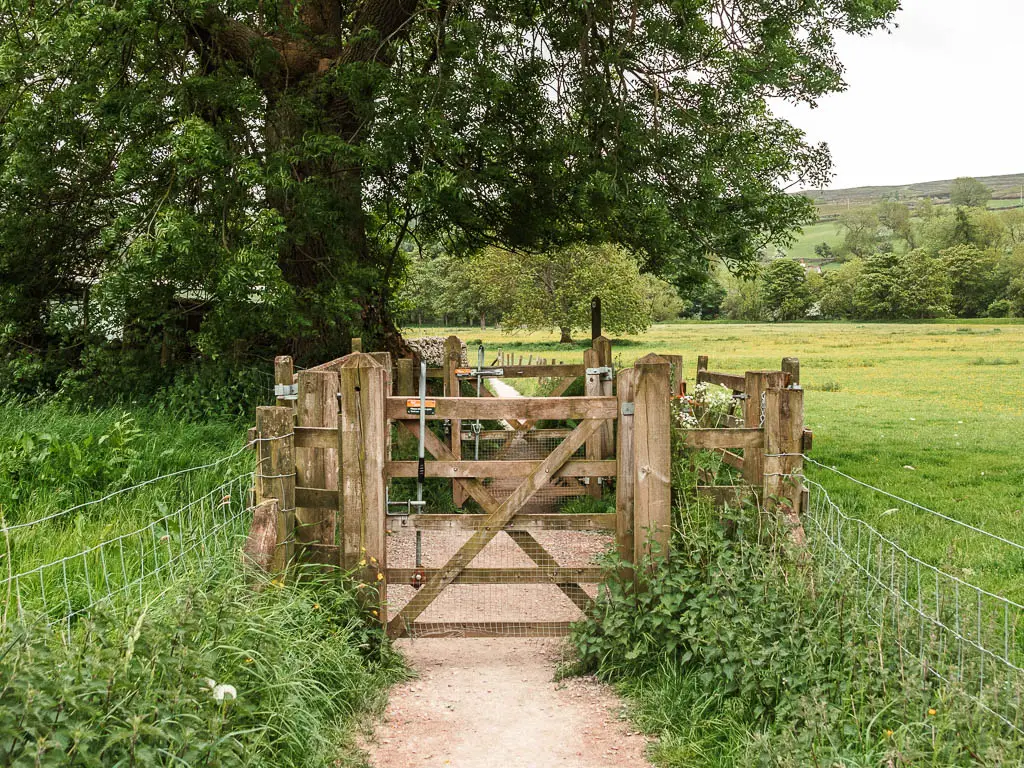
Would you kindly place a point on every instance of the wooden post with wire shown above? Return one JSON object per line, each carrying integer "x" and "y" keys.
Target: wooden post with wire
{"x": 652, "y": 456}
{"x": 317, "y": 406}
{"x": 362, "y": 442}
{"x": 783, "y": 462}
{"x": 755, "y": 384}
{"x": 603, "y": 346}
{"x": 275, "y": 477}
{"x": 594, "y": 444}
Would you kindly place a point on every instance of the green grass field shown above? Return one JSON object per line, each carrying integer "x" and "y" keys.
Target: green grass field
{"x": 815, "y": 234}
{"x": 943, "y": 398}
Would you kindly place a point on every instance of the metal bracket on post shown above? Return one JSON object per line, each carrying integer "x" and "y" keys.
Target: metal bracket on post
{"x": 628, "y": 409}
{"x": 605, "y": 372}
{"x": 286, "y": 391}
{"x": 473, "y": 373}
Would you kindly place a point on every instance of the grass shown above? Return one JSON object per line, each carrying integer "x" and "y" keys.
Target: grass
{"x": 881, "y": 397}
{"x": 812, "y": 235}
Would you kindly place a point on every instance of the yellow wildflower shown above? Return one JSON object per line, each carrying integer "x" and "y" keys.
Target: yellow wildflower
{"x": 316, "y": 606}
{"x": 932, "y": 711}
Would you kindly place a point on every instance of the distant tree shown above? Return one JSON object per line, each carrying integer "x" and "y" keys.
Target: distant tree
{"x": 663, "y": 297}
{"x": 554, "y": 289}
{"x": 824, "y": 251}
{"x": 895, "y": 286}
{"x": 896, "y": 216}
{"x": 784, "y": 291}
{"x": 704, "y": 297}
{"x": 973, "y": 279}
{"x": 969, "y": 192}
{"x": 962, "y": 226}
{"x": 742, "y": 298}
{"x": 839, "y": 286}
{"x": 861, "y": 226}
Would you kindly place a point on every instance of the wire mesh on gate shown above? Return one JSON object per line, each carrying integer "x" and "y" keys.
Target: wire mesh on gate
{"x": 527, "y": 445}
{"x": 947, "y": 628}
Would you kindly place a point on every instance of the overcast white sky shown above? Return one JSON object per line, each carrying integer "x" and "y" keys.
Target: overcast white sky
{"x": 940, "y": 96}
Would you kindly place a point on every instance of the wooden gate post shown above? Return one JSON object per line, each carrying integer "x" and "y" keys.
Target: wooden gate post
{"x": 603, "y": 346}
{"x": 284, "y": 376}
{"x": 595, "y": 444}
{"x": 791, "y": 366}
{"x": 756, "y": 383}
{"x": 275, "y": 477}
{"x": 452, "y": 388}
{"x": 317, "y": 406}
{"x": 362, "y": 439}
{"x": 783, "y": 464}
{"x": 652, "y": 458}
{"x": 625, "y": 475}
{"x": 675, "y": 379}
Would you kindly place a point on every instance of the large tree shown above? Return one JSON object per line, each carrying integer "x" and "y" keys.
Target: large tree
{"x": 263, "y": 161}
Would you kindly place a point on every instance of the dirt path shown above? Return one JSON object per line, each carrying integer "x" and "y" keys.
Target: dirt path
{"x": 492, "y": 703}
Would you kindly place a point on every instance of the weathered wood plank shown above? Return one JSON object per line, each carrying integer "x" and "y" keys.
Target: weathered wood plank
{"x": 316, "y": 437}
{"x": 541, "y": 522}
{"x": 317, "y": 467}
{"x": 757, "y": 383}
{"x": 732, "y": 381}
{"x": 626, "y": 476}
{"x": 731, "y": 459}
{"x": 653, "y": 459}
{"x": 783, "y": 431}
{"x": 480, "y": 469}
{"x": 716, "y": 439}
{"x": 546, "y": 408}
{"x": 538, "y": 575}
{"x": 275, "y": 477}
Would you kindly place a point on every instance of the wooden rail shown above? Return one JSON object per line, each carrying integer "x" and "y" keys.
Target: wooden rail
{"x": 521, "y": 522}
{"x": 548, "y": 408}
{"x": 481, "y": 469}
{"x": 549, "y": 371}
{"x": 732, "y": 381}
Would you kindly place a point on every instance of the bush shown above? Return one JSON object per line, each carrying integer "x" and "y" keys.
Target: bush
{"x": 142, "y": 691}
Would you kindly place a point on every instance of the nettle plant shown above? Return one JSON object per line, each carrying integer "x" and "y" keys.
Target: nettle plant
{"x": 709, "y": 406}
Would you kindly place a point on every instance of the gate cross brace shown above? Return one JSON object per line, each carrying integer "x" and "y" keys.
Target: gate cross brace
{"x": 498, "y": 517}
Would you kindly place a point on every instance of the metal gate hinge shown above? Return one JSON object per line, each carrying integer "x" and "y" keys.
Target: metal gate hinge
{"x": 605, "y": 372}
{"x": 286, "y": 391}
{"x": 628, "y": 409}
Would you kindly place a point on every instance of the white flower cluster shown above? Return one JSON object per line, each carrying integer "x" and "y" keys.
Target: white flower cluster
{"x": 714, "y": 397}
{"x": 221, "y": 691}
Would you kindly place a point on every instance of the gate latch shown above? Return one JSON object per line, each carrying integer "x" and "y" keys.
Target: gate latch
{"x": 472, "y": 373}
{"x": 605, "y": 372}
{"x": 286, "y": 391}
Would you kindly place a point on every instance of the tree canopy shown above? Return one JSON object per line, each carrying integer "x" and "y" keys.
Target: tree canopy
{"x": 262, "y": 165}
{"x": 969, "y": 192}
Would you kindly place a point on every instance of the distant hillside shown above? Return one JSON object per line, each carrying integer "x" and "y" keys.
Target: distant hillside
{"x": 1001, "y": 186}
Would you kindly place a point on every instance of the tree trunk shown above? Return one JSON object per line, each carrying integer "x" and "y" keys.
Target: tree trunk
{"x": 566, "y": 335}
{"x": 483, "y": 322}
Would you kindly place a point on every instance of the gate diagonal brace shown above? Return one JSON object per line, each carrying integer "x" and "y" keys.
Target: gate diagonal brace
{"x": 498, "y": 517}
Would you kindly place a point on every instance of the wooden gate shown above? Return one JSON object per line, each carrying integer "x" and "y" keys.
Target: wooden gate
{"x": 593, "y": 439}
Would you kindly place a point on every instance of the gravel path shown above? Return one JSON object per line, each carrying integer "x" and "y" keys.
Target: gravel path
{"x": 492, "y": 703}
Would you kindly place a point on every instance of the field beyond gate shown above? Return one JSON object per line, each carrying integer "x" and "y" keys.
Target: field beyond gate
{"x": 510, "y": 561}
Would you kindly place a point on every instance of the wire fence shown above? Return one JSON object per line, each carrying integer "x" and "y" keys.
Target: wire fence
{"x": 44, "y": 585}
{"x": 937, "y": 625}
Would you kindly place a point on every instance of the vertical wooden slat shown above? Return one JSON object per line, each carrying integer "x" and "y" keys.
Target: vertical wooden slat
{"x": 592, "y": 388}
{"x": 756, "y": 383}
{"x": 275, "y": 476}
{"x": 317, "y": 406}
{"x": 702, "y": 363}
{"x": 452, "y": 388}
{"x": 652, "y": 456}
{"x": 625, "y": 475}
{"x": 357, "y": 344}
{"x": 783, "y": 431}
{"x": 675, "y": 363}
{"x": 404, "y": 386}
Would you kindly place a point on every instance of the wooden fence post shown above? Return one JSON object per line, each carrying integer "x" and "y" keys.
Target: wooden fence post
{"x": 702, "y": 363}
{"x": 625, "y": 475}
{"x": 275, "y": 476}
{"x": 783, "y": 433}
{"x": 603, "y": 346}
{"x": 452, "y": 388}
{"x": 594, "y": 444}
{"x": 791, "y": 366}
{"x": 284, "y": 375}
{"x": 357, "y": 344}
{"x": 404, "y": 385}
{"x": 675, "y": 375}
{"x": 362, "y": 439}
{"x": 317, "y": 406}
{"x": 756, "y": 383}
{"x": 652, "y": 458}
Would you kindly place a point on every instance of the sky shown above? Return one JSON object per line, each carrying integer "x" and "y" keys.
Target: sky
{"x": 939, "y": 96}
